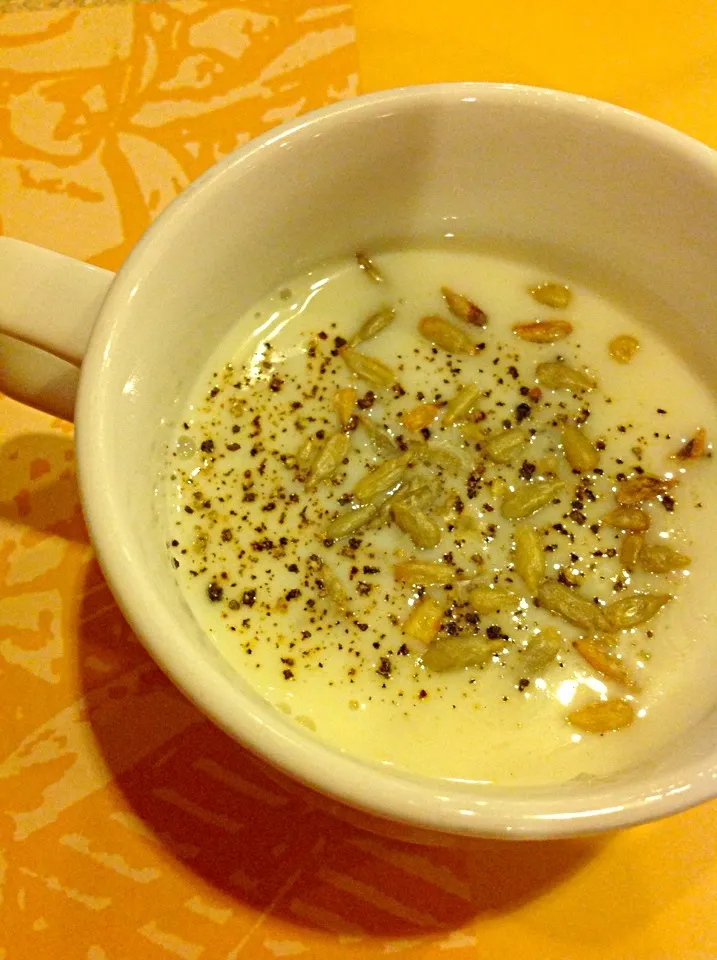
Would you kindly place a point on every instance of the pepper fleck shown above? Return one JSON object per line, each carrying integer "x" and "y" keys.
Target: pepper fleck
{"x": 384, "y": 668}
{"x": 214, "y": 592}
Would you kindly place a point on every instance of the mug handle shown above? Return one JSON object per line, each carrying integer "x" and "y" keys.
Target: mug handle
{"x": 48, "y": 306}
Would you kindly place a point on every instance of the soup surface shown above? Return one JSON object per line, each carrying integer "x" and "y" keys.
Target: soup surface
{"x": 376, "y": 416}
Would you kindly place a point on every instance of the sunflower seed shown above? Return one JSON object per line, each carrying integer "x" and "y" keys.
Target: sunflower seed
{"x": 446, "y": 335}
{"x": 541, "y": 650}
{"x": 622, "y": 349}
{"x": 504, "y": 447}
{"x": 571, "y": 605}
{"x": 421, "y": 416}
{"x": 373, "y": 325}
{"x": 694, "y": 448}
{"x": 530, "y": 498}
{"x": 237, "y": 405}
{"x": 415, "y": 493}
{"x": 424, "y": 620}
{"x": 559, "y": 376}
{"x": 351, "y": 521}
{"x": 543, "y": 331}
{"x": 386, "y": 475}
{"x": 330, "y": 584}
{"x": 379, "y": 436}
{"x": 307, "y": 453}
{"x": 632, "y": 611}
{"x": 454, "y": 653}
{"x": 659, "y": 558}
{"x": 630, "y": 548}
{"x": 440, "y": 457}
{"x": 368, "y": 368}
{"x": 548, "y": 466}
{"x": 369, "y": 268}
{"x": 603, "y": 716}
{"x": 328, "y": 460}
{"x": 529, "y": 556}
{"x": 555, "y": 295}
{"x": 473, "y": 433}
{"x": 580, "y": 452}
{"x": 462, "y": 404}
{"x": 596, "y": 651}
{"x": 640, "y": 488}
{"x": 423, "y": 574}
{"x": 627, "y": 518}
{"x": 345, "y": 403}
{"x": 421, "y": 529}
{"x": 485, "y": 599}
{"x": 463, "y": 308}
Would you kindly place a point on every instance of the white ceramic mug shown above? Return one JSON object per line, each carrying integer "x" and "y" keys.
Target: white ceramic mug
{"x": 614, "y": 189}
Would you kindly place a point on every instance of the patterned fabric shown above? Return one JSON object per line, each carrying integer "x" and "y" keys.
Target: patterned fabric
{"x": 130, "y": 827}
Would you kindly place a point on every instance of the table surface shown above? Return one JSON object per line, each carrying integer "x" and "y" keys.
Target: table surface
{"x": 130, "y": 826}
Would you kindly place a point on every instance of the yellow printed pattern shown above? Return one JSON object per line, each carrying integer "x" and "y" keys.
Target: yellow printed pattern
{"x": 109, "y": 112}
{"x": 130, "y": 827}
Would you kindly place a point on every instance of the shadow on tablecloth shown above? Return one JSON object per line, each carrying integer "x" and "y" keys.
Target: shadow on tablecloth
{"x": 267, "y": 844}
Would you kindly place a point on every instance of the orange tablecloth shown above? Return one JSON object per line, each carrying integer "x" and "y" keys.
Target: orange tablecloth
{"x": 129, "y": 826}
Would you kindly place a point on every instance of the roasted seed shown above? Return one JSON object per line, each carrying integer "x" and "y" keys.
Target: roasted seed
{"x": 416, "y": 493}
{"x": 640, "y": 488}
{"x": 454, "y": 653}
{"x": 603, "y": 716}
{"x": 548, "y": 466}
{"x": 596, "y": 651}
{"x": 345, "y": 403}
{"x": 462, "y": 404}
{"x": 463, "y": 308}
{"x": 335, "y": 590}
{"x": 632, "y": 611}
{"x": 373, "y": 325}
{"x": 328, "y": 460}
{"x": 307, "y": 453}
{"x": 543, "y": 331}
{"x": 333, "y": 587}
{"x": 421, "y": 416}
{"x": 368, "y": 368}
{"x": 505, "y": 447}
{"x": 694, "y": 448}
{"x": 369, "y": 268}
{"x": 423, "y": 574}
{"x": 529, "y": 556}
{"x": 559, "y": 376}
{"x": 571, "y": 605}
{"x": 580, "y": 452}
{"x": 486, "y": 599}
{"x": 630, "y": 548}
{"x": 446, "y": 335}
{"x": 541, "y": 650}
{"x": 550, "y": 294}
{"x": 386, "y": 475}
{"x": 441, "y": 457}
{"x": 627, "y": 518}
{"x": 622, "y": 349}
{"x": 659, "y": 558}
{"x": 380, "y": 437}
{"x": 237, "y": 405}
{"x": 351, "y": 521}
{"x": 421, "y": 529}
{"x": 473, "y": 433}
{"x": 424, "y": 620}
{"x": 529, "y": 498}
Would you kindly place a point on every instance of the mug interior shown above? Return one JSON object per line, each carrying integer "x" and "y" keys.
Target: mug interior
{"x": 583, "y": 182}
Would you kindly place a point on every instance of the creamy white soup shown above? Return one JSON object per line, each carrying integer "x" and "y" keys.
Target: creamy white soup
{"x": 452, "y": 512}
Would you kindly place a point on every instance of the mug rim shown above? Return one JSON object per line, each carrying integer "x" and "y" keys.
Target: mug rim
{"x": 424, "y": 803}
